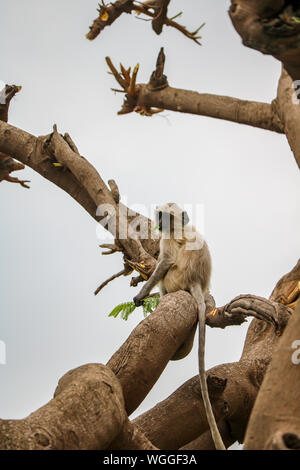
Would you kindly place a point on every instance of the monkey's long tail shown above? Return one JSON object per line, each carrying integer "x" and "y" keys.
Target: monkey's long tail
{"x": 197, "y": 293}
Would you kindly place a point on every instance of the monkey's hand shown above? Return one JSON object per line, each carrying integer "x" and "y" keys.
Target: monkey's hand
{"x": 138, "y": 301}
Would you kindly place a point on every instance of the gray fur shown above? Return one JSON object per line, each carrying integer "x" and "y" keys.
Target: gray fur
{"x": 184, "y": 263}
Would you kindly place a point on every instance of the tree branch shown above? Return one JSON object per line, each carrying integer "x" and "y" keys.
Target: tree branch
{"x": 81, "y": 181}
{"x": 155, "y": 9}
{"x": 68, "y": 420}
{"x": 271, "y": 27}
{"x": 288, "y": 109}
{"x": 148, "y": 98}
{"x": 275, "y": 421}
{"x": 158, "y": 337}
{"x": 131, "y": 438}
{"x": 236, "y": 311}
{"x": 175, "y": 422}
{"x": 205, "y": 441}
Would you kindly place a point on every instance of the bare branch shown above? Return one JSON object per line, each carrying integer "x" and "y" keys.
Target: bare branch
{"x": 148, "y": 99}
{"x": 79, "y": 179}
{"x": 115, "y": 276}
{"x": 114, "y": 190}
{"x": 236, "y": 311}
{"x": 155, "y": 9}
{"x": 7, "y": 165}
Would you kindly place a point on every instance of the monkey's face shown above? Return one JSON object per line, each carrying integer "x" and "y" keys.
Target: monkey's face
{"x": 161, "y": 219}
{"x": 170, "y": 218}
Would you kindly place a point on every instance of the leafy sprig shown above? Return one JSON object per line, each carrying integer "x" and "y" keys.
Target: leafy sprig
{"x": 125, "y": 309}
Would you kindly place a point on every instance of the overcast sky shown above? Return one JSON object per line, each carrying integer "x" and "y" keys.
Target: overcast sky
{"x": 246, "y": 179}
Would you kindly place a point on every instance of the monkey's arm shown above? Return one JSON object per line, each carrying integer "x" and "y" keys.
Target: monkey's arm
{"x": 158, "y": 274}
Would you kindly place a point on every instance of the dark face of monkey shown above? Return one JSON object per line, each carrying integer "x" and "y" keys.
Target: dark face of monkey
{"x": 167, "y": 222}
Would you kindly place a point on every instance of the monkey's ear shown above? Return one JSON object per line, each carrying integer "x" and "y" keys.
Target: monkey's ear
{"x": 185, "y": 218}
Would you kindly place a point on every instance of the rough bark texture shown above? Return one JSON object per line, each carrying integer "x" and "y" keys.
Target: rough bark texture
{"x": 270, "y": 27}
{"x": 87, "y": 412}
{"x": 289, "y": 113}
{"x": 179, "y": 421}
{"x": 275, "y": 419}
{"x": 251, "y": 113}
{"x": 142, "y": 358}
{"x": 91, "y": 404}
{"x": 81, "y": 181}
{"x": 131, "y": 438}
{"x": 206, "y": 442}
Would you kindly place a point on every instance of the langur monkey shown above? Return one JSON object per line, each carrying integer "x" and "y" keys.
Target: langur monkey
{"x": 184, "y": 263}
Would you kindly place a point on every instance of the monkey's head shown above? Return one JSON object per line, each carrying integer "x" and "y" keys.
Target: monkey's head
{"x": 170, "y": 217}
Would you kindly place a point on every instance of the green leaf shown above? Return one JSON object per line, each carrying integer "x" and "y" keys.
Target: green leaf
{"x": 296, "y": 19}
{"x": 115, "y": 312}
{"x": 129, "y": 308}
{"x": 126, "y": 308}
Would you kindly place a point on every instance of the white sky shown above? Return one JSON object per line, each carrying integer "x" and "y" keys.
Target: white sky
{"x": 246, "y": 179}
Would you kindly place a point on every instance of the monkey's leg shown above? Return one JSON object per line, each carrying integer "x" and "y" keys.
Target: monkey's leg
{"x": 163, "y": 291}
{"x": 158, "y": 274}
{"x": 197, "y": 293}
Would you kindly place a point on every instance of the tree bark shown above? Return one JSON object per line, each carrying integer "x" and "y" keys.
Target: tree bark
{"x": 275, "y": 419}
{"x": 251, "y": 113}
{"x": 87, "y": 412}
{"x": 269, "y": 27}
{"x": 142, "y": 358}
{"x": 179, "y": 421}
{"x": 82, "y": 182}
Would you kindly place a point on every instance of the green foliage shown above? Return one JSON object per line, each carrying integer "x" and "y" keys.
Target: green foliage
{"x": 150, "y": 304}
{"x": 126, "y": 308}
{"x": 296, "y": 19}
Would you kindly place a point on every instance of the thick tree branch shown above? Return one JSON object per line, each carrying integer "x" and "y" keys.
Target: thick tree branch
{"x": 275, "y": 421}
{"x": 282, "y": 115}
{"x": 236, "y": 311}
{"x": 131, "y": 438}
{"x": 142, "y": 358}
{"x": 205, "y": 441}
{"x": 287, "y": 289}
{"x": 180, "y": 418}
{"x": 243, "y": 381}
{"x": 68, "y": 420}
{"x": 288, "y": 109}
{"x": 80, "y": 180}
{"x": 271, "y": 27}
